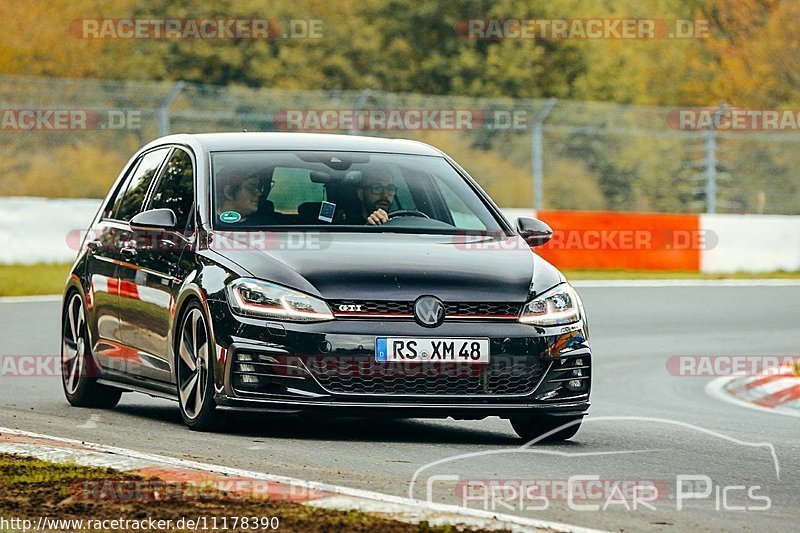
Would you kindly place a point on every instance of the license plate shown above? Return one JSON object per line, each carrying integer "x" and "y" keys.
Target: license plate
{"x": 422, "y": 350}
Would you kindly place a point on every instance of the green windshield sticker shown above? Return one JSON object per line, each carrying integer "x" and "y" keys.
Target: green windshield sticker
{"x": 230, "y": 217}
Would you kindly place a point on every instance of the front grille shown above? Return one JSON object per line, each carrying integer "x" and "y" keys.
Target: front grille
{"x": 482, "y": 309}
{"x": 504, "y": 375}
{"x": 372, "y": 307}
{"x": 354, "y": 308}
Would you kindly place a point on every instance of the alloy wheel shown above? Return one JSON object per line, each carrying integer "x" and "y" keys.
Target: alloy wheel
{"x": 193, "y": 363}
{"x": 73, "y": 353}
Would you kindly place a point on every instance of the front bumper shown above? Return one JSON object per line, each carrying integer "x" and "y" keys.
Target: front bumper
{"x": 265, "y": 365}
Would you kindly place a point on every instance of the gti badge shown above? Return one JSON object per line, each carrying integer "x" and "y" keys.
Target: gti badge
{"x": 350, "y": 308}
{"x": 429, "y": 311}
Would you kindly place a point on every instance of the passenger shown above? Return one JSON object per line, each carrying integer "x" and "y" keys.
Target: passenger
{"x": 243, "y": 200}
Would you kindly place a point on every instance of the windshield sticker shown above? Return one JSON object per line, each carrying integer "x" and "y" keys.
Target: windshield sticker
{"x": 326, "y": 211}
{"x": 230, "y": 217}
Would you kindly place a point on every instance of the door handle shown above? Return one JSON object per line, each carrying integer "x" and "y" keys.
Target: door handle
{"x": 128, "y": 253}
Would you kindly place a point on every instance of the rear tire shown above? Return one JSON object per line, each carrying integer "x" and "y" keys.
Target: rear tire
{"x": 534, "y": 426}
{"x": 195, "y": 372}
{"x": 79, "y": 372}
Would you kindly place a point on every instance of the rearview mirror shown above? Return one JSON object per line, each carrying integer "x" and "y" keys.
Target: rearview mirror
{"x": 163, "y": 219}
{"x": 351, "y": 177}
{"x": 534, "y": 231}
{"x": 318, "y": 176}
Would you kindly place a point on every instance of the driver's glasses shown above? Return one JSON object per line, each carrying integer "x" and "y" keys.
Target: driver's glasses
{"x": 380, "y": 189}
{"x": 257, "y": 188}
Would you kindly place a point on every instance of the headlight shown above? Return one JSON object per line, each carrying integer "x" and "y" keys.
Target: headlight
{"x": 560, "y": 305}
{"x": 262, "y": 299}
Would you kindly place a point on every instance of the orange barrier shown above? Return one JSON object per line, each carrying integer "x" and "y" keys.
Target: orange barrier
{"x": 622, "y": 241}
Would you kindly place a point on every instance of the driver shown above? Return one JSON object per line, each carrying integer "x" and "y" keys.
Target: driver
{"x": 376, "y": 195}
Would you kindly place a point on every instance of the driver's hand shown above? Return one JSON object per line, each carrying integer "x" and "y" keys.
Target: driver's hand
{"x": 377, "y": 218}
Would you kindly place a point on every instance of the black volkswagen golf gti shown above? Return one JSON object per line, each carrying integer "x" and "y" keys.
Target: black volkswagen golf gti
{"x": 320, "y": 273}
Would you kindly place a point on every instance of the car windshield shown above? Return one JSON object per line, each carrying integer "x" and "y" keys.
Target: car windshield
{"x": 340, "y": 190}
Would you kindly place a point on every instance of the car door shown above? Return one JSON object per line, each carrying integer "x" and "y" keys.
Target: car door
{"x": 112, "y": 264}
{"x": 161, "y": 262}
{"x": 102, "y": 264}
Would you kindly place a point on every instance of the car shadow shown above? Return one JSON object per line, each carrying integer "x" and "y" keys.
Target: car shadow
{"x": 168, "y": 412}
{"x": 366, "y": 429}
{"x": 326, "y": 428}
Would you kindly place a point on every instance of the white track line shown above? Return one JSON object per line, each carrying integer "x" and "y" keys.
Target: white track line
{"x": 346, "y": 497}
{"x": 716, "y": 389}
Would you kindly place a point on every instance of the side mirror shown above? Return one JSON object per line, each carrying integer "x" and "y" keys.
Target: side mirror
{"x": 154, "y": 219}
{"x": 534, "y": 231}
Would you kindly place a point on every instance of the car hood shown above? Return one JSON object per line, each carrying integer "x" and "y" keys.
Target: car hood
{"x": 388, "y": 266}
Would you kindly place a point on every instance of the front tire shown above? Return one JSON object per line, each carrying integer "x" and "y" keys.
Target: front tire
{"x": 78, "y": 371}
{"x": 195, "y": 372}
{"x": 534, "y": 426}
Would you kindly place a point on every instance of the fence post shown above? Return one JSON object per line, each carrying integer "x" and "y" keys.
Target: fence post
{"x": 361, "y": 102}
{"x": 537, "y": 150}
{"x": 711, "y": 170}
{"x": 163, "y": 110}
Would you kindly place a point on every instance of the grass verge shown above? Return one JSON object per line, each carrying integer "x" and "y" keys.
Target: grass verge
{"x": 32, "y": 280}
{"x": 31, "y": 488}
{"x": 39, "y": 279}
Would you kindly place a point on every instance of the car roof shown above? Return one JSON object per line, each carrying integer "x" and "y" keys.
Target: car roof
{"x": 221, "y": 142}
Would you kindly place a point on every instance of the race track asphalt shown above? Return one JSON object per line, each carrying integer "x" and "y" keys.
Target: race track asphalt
{"x": 645, "y": 425}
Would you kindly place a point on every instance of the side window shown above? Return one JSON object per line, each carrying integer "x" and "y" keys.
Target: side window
{"x": 131, "y": 201}
{"x": 176, "y": 189}
{"x": 120, "y": 189}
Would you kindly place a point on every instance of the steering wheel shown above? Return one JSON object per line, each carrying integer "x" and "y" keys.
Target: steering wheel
{"x": 407, "y": 213}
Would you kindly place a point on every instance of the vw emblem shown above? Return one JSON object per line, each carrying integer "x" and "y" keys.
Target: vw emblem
{"x": 429, "y": 311}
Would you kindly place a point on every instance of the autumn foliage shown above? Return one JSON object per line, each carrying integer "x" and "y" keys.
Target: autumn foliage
{"x": 750, "y": 57}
